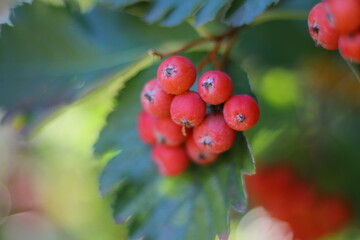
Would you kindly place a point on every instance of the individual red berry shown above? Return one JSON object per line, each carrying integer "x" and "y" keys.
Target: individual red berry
{"x": 241, "y": 112}
{"x": 320, "y": 28}
{"x": 171, "y": 161}
{"x": 344, "y": 15}
{"x": 197, "y": 155}
{"x": 215, "y": 87}
{"x": 269, "y": 187}
{"x": 333, "y": 212}
{"x": 188, "y": 109}
{"x": 169, "y": 133}
{"x": 154, "y": 100}
{"x": 213, "y": 134}
{"x": 176, "y": 74}
{"x": 300, "y": 200}
{"x": 349, "y": 47}
{"x": 146, "y": 127}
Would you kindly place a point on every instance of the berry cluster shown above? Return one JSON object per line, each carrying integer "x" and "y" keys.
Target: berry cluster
{"x": 295, "y": 201}
{"x": 335, "y": 24}
{"x": 205, "y": 120}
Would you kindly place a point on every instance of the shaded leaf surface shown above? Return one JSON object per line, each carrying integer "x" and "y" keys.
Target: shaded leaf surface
{"x": 173, "y": 12}
{"x": 194, "y": 205}
{"x": 70, "y": 54}
{"x": 248, "y": 11}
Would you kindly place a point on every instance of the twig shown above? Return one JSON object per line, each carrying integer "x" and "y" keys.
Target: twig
{"x": 214, "y": 52}
{"x": 204, "y": 62}
{"x": 226, "y": 55}
{"x": 184, "y": 48}
{"x": 352, "y": 68}
{"x": 212, "y": 56}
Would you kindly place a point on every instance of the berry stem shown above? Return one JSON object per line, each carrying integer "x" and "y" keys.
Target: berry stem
{"x": 212, "y": 56}
{"x": 214, "y": 52}
{"x": 225, "y": 57}
{"x": 353, "y": 69}
{"x": 177, "y": 51}
{"x": 272, "y": 15}
{"x": 183, "y": 131}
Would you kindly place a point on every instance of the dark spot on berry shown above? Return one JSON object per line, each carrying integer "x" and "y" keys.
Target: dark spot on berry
{"x": 160, "y": 139}
{"x": 186, "y": 123}
{"x": 208, "y": 84}
{"x": 148, "y": 96}
{"x": 315, "y": 29}
{"x": 206, "y": 141}
{"x": 240, "y": 118}
{"x": 169, "y": 71}
{"x": 201, "y": 156}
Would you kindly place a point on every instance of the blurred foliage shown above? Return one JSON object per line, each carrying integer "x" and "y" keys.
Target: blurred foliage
{"x": 70, "y": 54}
{"x": 61, "y": 174}
{"x": 67, "y": 172}
{"x": 318, "y": 134}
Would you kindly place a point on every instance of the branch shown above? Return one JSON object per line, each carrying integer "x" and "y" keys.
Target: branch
{"x": 182, "y": 49}
{"x": 212, "y": 56}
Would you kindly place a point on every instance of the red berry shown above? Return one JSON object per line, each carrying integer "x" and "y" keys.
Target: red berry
{"x": 198, "y": 155}
{"x": 169, "y": 133}
{"x": 215, "y": 87}
{"x": 188, "y": 109}
{"x": 241, "y": 112}
{"x": 146, "y": 127}
{"x": 301, "y": 199}
{"x": 320, "y": 28}
{"x": 171, "y": 161}
{"x": 154, "y": 100}
{"x": 344, "y": 15}
{"x": 349, "y": 47}
{"x": 176, "y": 74}
{"x": 333, "y": 213}
{"x": 213, "y": 134}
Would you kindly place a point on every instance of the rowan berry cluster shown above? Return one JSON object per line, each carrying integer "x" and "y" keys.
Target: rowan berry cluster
{"x": 205, "y": 121}
{"x": 335, "y": 24}
{"x": 289, "y": 198}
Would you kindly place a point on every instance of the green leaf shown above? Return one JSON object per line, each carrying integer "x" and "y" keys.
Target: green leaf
{"x": 54, "y": 55}
{"x": 248, "y": 11}
{"x": 173, "y": 12}
{"x": 210, "y": 9}
{"x": 6, "y": 7}
{"x": 192, "y": 206}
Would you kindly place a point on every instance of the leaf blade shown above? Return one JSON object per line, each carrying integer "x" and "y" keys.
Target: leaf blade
{"x": 70, "y": 54}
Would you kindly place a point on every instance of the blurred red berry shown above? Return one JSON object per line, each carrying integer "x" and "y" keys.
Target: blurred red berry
{"x": 169, "y": 133}
{"x": 344, "y": 15}
{"x": 146, "y": 127}
{"x": 349, "y": 47}
{"x": 171, "y": 161}
{"x": 198, "y": 155}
